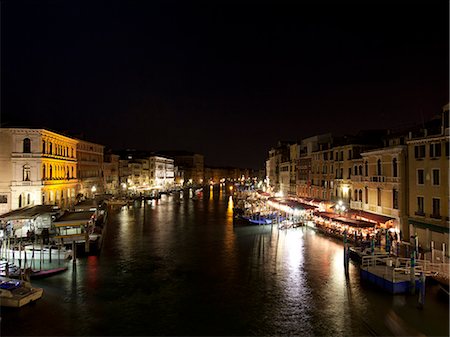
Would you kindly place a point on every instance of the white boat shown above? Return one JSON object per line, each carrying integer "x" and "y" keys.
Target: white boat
{"x": 17, "y": 293}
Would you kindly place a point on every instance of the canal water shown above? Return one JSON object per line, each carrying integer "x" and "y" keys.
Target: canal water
{"x": 179, "y": 267}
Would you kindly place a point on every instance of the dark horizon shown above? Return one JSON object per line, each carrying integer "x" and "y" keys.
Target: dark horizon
{"x": 226, "y": 81}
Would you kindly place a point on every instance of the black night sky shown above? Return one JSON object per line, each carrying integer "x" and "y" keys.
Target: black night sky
{"x": 226, "y": 80}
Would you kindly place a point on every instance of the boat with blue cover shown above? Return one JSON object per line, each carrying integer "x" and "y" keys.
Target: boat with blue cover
{"x": 17, "y": 293}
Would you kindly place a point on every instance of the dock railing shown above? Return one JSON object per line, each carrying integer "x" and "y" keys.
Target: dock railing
{"x": 395, "y": 268}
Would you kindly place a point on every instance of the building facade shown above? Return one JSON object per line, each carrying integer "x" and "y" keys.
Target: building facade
{"x": 111, "y": 173}
{"x": 190, "y": 165}
{"x": 162, "y": 172}
{"x": 90, "y": 168}
{"x": 37, "y": 166}
{"x": 428, "y": 183}
{"x": 382, "y": 187}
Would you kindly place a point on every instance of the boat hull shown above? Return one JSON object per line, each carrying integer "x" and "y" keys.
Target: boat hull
{"x": 18, "y": 295}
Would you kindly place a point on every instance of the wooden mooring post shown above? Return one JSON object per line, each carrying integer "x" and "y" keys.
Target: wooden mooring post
{"x": 74, "y": 252}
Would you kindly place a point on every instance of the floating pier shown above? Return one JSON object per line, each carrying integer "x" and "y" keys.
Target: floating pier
{"x": 394, "y": 275}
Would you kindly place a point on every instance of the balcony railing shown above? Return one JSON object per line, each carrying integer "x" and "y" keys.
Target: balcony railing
{"x": 393, "y": 179}
{"x": 356, "y": 204}
{"x": 378, "y": 179}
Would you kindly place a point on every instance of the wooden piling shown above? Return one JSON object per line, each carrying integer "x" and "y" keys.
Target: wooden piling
{"x": 422, "y": 291}
{"x": 74, "y": 252}
{"x": 41, "y": 256}
{"x": 412, "y": 273}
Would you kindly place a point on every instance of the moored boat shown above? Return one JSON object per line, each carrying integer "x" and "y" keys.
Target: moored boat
{"x": 17, "y": 293}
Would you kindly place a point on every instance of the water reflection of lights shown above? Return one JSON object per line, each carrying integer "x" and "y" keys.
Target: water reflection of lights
{"x": 230, "y": 207}
{"x": 230, "y": 204}
{"x": 92, "y": 274}
{"x": 292, "y": 248}
{"x": 337, "y": 269}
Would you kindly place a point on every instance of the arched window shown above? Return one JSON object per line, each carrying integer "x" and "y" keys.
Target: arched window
{"x": 26, "y": 172}
{"x": 43, "y": 146}
{"x": 360, "y": 195}
{"x": 379, "y": 167}
{"x": 366, "y": 164}
{"x": 50, "y": 148}
{"x": 72, "y": 176}
{"x": 366, "y": 193}
{"x": 20, "y": 201}
{"x": 394, "y": 167}
{"x": 44, "y": 172}
{"x": 27, "y": 145}
{"x": 356, "y": 195}
{"x": 360, "y": 170}
{"x": 28, "y": 199}
{"x": 51, "y": 171}
{"x": 355, "y": 170}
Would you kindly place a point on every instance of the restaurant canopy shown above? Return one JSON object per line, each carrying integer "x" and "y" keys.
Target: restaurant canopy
{"x": 29, "y": 212}
{"x": 344, "y": 220}
{"x": 75, "y": 219}
{"x": 371, "y": 217}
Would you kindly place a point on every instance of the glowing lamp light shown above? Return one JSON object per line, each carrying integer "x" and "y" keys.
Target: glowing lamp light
{"x": 93, "y": 189}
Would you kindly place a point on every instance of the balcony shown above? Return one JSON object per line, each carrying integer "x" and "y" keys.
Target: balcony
{"x": 393, "y": 179}
{"x": 378, "y": 179}
{"x": 356, "y": 204}
{"x": 24, "y": 183}
{"x": 24, "y": 155}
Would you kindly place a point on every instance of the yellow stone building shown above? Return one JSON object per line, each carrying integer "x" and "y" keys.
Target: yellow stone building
{"x": 429, "y": 189}
{"x": 381, "y": 189}
{"x": 37, "y": 166}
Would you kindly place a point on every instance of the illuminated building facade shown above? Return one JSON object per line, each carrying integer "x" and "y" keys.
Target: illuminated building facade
{"x": 134, "y": 174}
{"x": 37, "y": 166}
{"x": 294, "y": 159}
{"x": 111, "y": 173}
{"x": 90, "y": 168}
{"x": 382, "y": 187}
{"x": 190, "y": 165}
{"x": 428, "y": 183}
{"x": 279, "y": 156}
{"x": 309, "y": 165}
{"x": 162, "y": 174}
